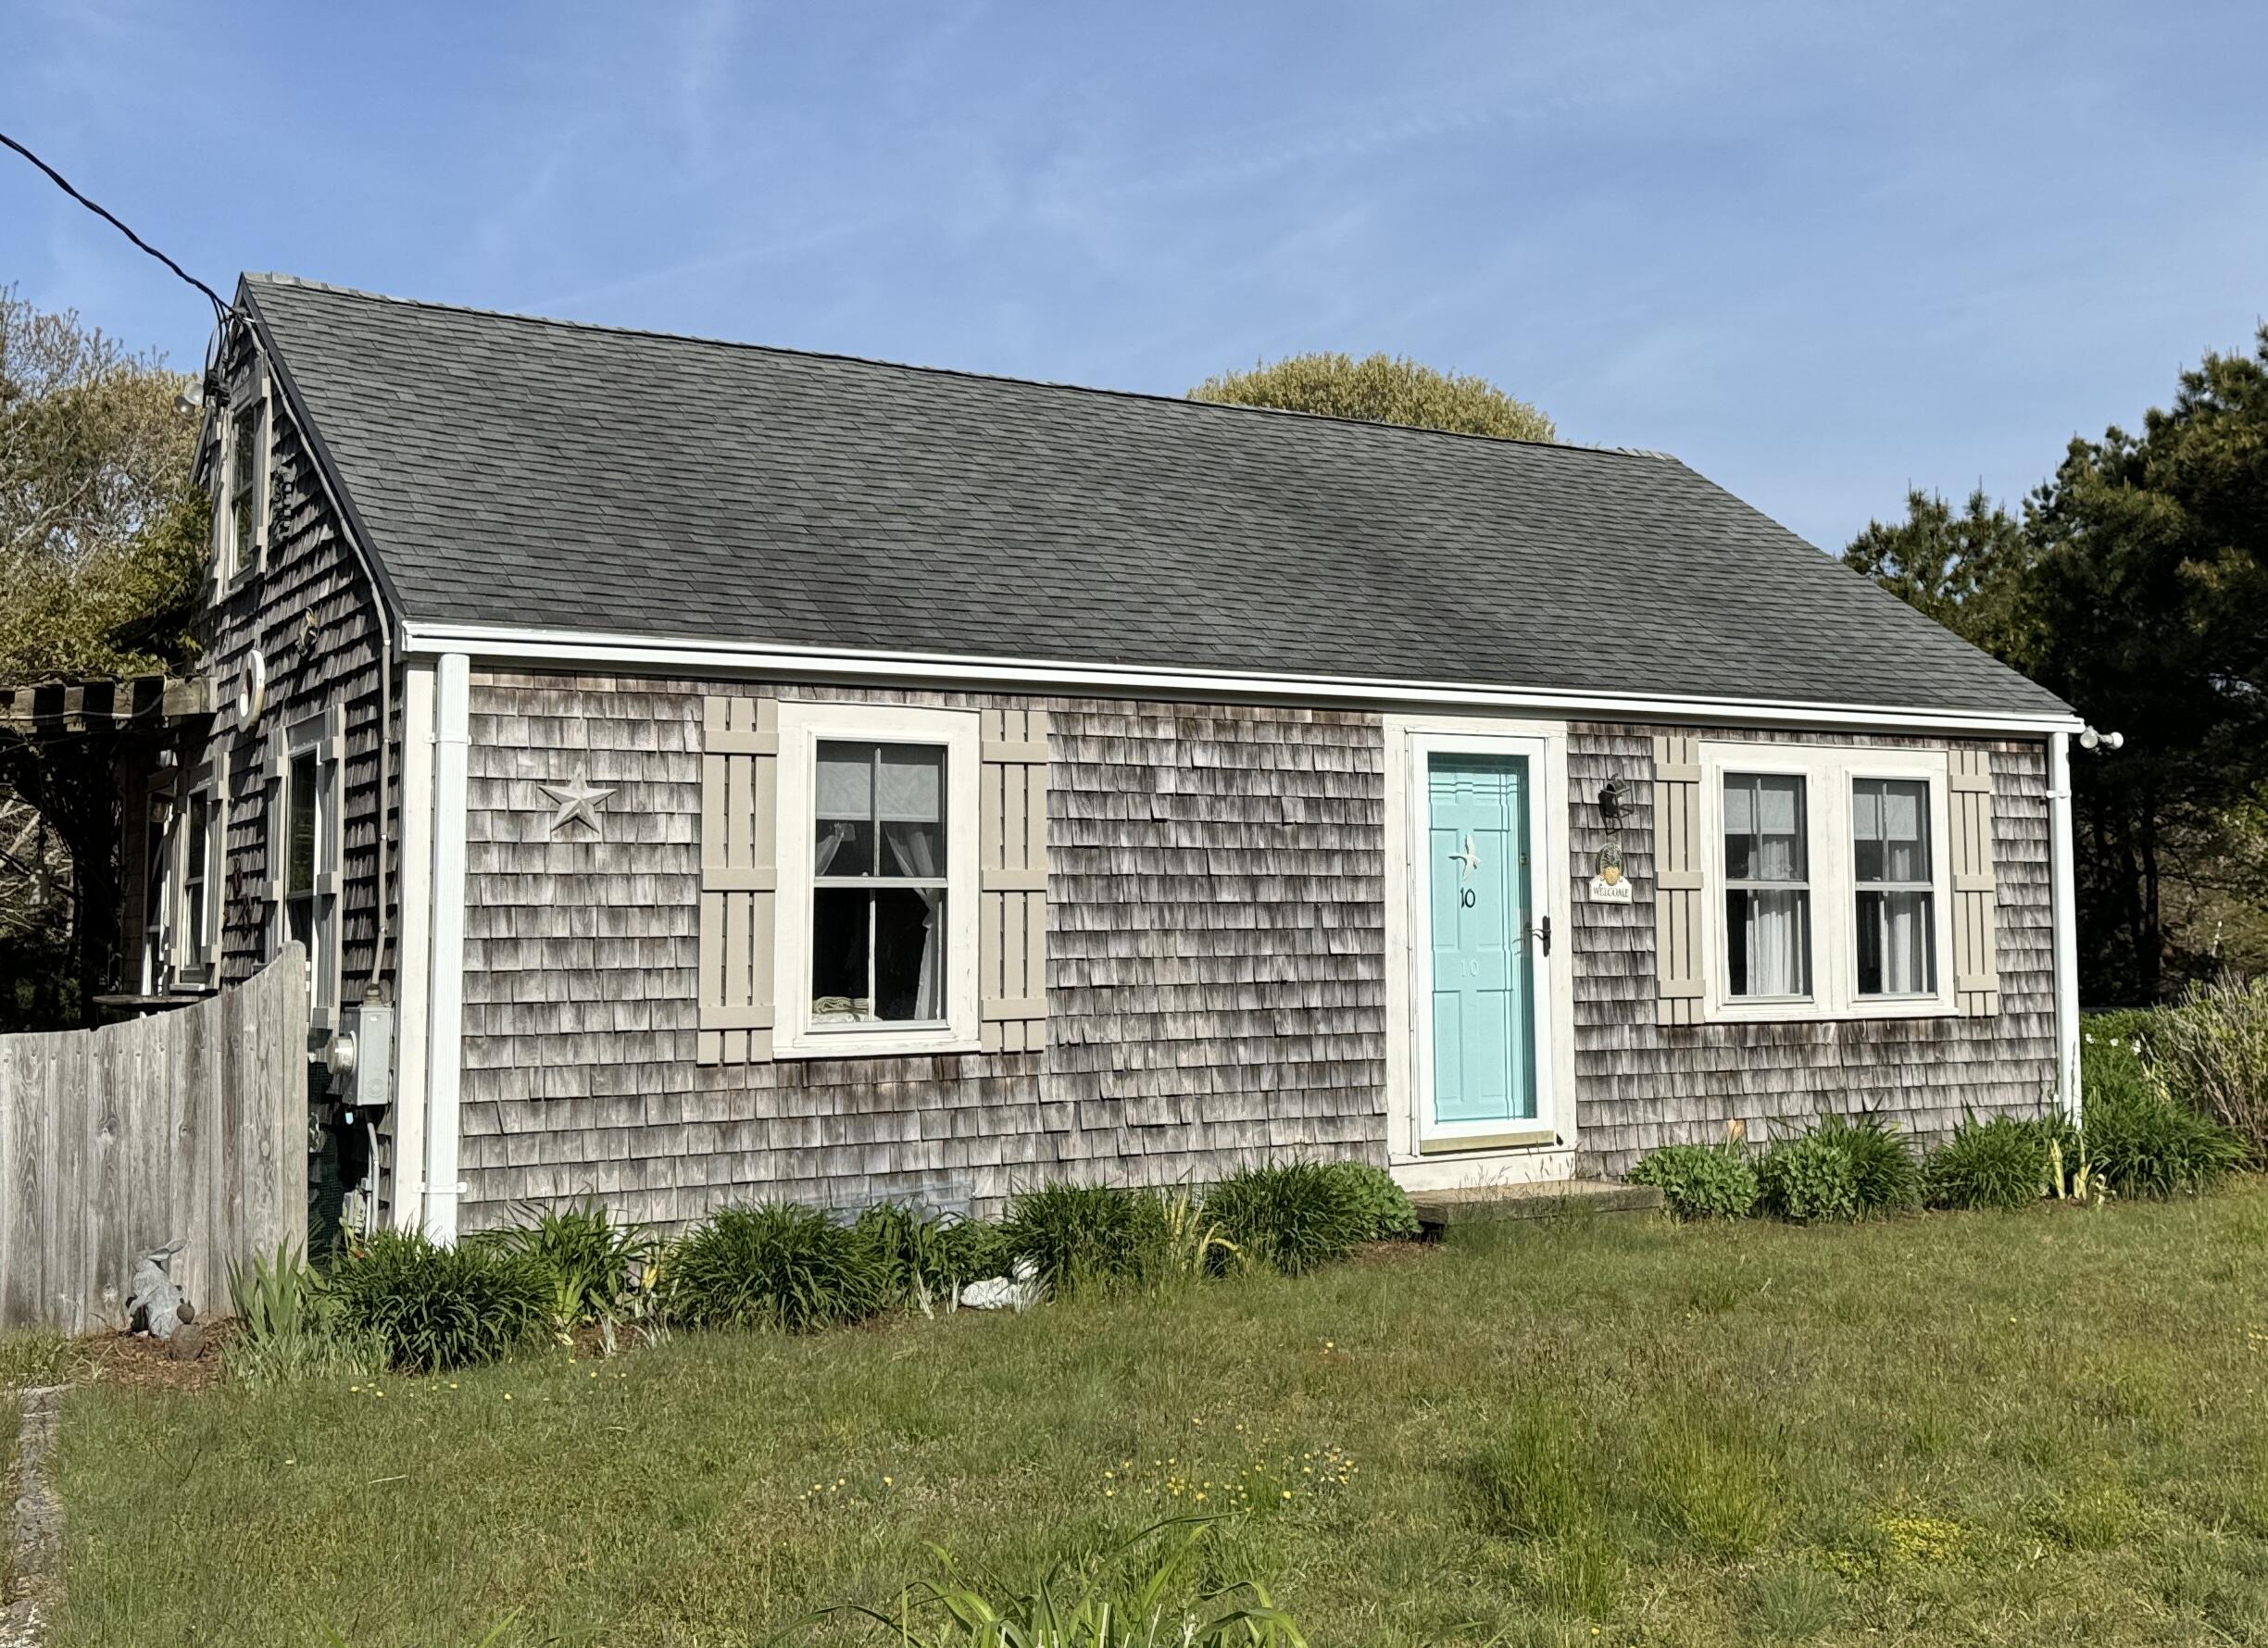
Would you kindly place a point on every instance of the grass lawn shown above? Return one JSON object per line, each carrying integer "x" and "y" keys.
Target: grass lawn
{"x": 2040, "y": 1427}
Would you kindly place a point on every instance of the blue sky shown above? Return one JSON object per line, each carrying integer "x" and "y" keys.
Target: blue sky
{"x": 1818, "y": 251}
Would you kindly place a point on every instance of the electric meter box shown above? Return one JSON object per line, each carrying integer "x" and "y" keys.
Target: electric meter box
{"x": 362, "y": 1056}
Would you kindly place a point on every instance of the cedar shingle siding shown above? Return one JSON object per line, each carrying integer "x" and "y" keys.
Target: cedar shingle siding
{"x": 1216, "y": 938}
{"x": 1642, "y": 1083}
{"x": 1214, "y": 953}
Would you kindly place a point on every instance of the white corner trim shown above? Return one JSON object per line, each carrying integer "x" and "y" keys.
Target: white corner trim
{"x": 445, "y": 989}
{"x": 413, "y": 959}
{"x": 707, "y": 659}
{"x": 2063, "y": 917}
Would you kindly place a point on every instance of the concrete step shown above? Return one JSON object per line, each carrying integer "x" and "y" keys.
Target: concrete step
{"x": 1439, "y": 1209}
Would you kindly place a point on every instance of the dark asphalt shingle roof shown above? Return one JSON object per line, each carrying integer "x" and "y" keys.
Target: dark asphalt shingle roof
{"x": 518, "y": 471}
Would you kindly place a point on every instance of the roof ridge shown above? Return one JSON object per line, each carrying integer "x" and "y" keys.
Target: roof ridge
{"x": 280, "y": 279}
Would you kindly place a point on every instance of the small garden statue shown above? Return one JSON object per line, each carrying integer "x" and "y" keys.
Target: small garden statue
{"x": 155, "y": 1305}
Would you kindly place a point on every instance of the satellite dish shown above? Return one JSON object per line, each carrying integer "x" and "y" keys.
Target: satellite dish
{"x": 252, "y": 694}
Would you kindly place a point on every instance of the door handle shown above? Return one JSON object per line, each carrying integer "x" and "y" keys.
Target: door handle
{"x": 1541, "y": 933}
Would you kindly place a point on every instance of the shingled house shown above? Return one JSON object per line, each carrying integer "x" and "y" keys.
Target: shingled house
{"x": 703, "y": 772}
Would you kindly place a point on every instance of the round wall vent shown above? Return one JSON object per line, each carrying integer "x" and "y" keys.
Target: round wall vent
{"x": 252, "y": 690}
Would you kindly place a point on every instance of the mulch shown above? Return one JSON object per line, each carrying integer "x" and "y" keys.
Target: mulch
{"x": 141, "y": 1363}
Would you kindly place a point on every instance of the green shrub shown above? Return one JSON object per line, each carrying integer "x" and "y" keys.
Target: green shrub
{"x": 590, "y": 1265}
{"x": 1078, "y": 1235}
{"x": 1117, "y": 1597}
{"x": 430, "y": 1308}
{"x": 2140, "y": 1143}
{"x": 774, "y": 1266}
{"x": 1886, "y": 1175}
{"x": 929, "y": 1257}
{"x": 2212, "y": 1051}
{"x": 2137, "y": 1028}
{"x": 1386, "y": 1205}
{"x": 1806, "y": 1179}
{"x": 1294, "y": 1216}
{"x": 288, "y": 1326}
{"x": 1700, "y": 1181}
{"x": 2001, "y": 1163}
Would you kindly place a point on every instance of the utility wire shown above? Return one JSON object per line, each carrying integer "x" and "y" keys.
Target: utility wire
{"x": 221, "y": 310}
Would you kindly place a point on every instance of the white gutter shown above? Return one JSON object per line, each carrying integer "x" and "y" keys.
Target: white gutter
{"x": 412, "y": 979}
{"x": 2063, "y": 913}
{"x": 709, "y": 659}
{"x": 445, "y": 996}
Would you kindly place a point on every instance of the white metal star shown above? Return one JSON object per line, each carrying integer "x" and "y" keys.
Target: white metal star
{"x": 578, "y": 802}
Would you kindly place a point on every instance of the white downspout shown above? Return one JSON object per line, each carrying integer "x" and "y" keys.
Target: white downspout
{"x": 445, "y": 995}
{"x": 2062, "y": 904}
{"x": 413, "y": 959}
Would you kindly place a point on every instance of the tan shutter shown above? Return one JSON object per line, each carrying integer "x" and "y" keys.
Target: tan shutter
{"x": 1678, "y": 858}
{"x": 1976, "y": 966}
{"x": 740, "y": 792}
{"x": 1012, "y": 908}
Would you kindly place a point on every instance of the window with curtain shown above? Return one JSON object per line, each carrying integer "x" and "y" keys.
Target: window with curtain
{"x": 1767, "y": 886}
{"x": 1891, "y": 875}
{"x": 879, "y": 882}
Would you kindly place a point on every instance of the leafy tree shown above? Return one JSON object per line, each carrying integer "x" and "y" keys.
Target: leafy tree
{"x": 1381, "y": 389}
{"x": 1964, "y": 570}
{"x": 102, "y": 539}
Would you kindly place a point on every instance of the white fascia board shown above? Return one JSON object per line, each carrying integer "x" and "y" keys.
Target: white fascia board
{"x": 710, "y": 659}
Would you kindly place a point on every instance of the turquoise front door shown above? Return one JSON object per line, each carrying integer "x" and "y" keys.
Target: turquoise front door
{"x": 1483, "y": 912}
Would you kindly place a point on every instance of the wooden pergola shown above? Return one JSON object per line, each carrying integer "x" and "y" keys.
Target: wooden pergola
{"x": 86, "y": 755}
{"x": 139, "y": 703}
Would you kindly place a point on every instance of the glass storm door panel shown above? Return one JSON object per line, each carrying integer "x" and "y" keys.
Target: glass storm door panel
{"x": 1484, "y": 974}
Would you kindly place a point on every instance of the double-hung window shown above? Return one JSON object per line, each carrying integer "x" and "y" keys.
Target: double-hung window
{"x": 245, "y": 482}
{"x": 880, "y": 893}
{"x": 1896, "y": 897}
{"x": 875, "y": 948}
{"x": 304, "y": 846}
{"x": 1767, "y": 887}
{"x": 1831, "y": 885}
{"x": 200, "y": 915}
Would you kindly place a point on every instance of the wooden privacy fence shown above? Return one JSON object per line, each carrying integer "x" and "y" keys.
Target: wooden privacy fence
{"x": 189, "y": 1125}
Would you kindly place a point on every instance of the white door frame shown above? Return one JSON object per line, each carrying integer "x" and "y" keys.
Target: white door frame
{"x": 1424, "y": 1156}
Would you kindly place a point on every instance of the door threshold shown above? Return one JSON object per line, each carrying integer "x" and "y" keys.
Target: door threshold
{"x": 1466, "y": 1143}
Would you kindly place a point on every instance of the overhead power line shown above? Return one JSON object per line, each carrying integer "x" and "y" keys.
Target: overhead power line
{"x": 220, "y": 309}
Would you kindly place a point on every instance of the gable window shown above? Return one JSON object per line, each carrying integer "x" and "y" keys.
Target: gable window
{"x": 1767, "y": 887}
{"x": 875, "y": 949}
{"x": 1829, "y": 881}
{"x": 245, "y": 480}
{"x": 1897, "y": 898}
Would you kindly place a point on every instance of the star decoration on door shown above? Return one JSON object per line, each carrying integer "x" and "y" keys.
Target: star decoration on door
{"x": 578, "y": 804}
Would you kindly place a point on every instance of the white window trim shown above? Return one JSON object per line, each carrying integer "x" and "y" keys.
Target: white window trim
{"x": 191, "y": 966}
{"x": 318, "y": 735}
{"x": 1828, "y": 772}
{"x": 802, "y": 727}
{"x": 235, "y": 561}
